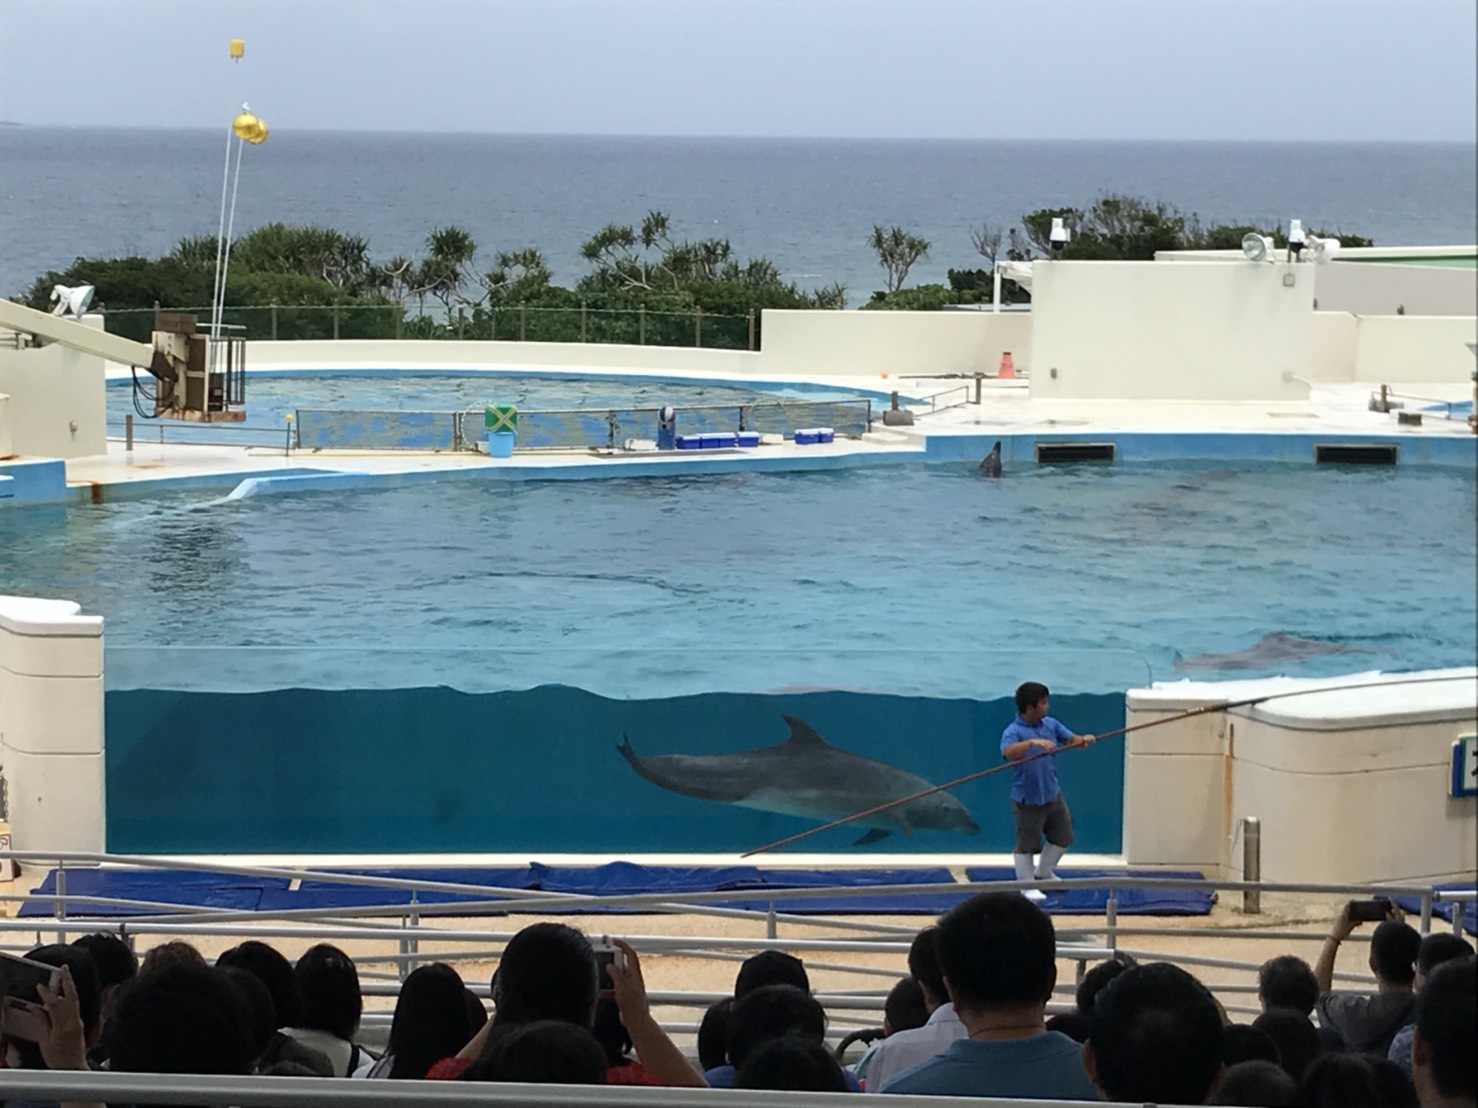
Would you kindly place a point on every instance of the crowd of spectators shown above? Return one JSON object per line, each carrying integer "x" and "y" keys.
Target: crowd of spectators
{"x": 970, "y": 1019}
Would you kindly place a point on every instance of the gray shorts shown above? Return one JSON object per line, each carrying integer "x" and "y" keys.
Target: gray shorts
{"x": 1034, "y": 820}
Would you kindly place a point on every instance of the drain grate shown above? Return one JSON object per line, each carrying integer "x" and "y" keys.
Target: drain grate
{"x": 1356, "y": 453}
{"x": 1049, "y": 453}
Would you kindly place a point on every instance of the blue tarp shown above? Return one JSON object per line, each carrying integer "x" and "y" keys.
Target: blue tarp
{"x": 1444, "y": 910}
{"x": 749, "y": 883}
{"x": 1133, "y": 901}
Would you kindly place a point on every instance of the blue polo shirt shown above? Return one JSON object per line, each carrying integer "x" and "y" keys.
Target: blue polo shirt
{"x": 1047, "y": 1066}
{"x": 1035, "y": 782}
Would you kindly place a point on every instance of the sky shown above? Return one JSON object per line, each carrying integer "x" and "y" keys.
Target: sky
{"x": 1343, "y": 70}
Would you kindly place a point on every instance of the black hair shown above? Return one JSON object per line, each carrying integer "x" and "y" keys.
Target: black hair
{"x": 713, "y": 1035}
{"x": 998, "y": 949}
{"x": 1438, "y": 948}
{"x": 1072, "y": 1024}
{"x": 923, "y": 963}
{"x": 611, "y": 1033}
{"x": 1097, "y": 978}
{"x": 904, "y": 1009}
{"x": 1445, "y": 1019}
{"x": 430, "y": 1021}
{"x": 546, "y": 1052}
{"x": 269, "y": 966}
{"x": 548, "y": 972}
{"x": 1356, "y": 1081}
{"x": 85, "y": 978}
{"x": 115, "y": 961}
{"x": 1156, "y": 1036}
{"x": 1256, "y": 1084}
{"x": 1242, "y": 1042}
{"x": 1287, "y": 981}
{"x": 768, "y": 1013}
{"x": 174, "y": 952}
{"x": 477, "y": 1015}
{"x": 261, "y": 1013}
{"x": 793, "y": 1064}
{"x": 771, "y": 967}
{"x": 180, "y": 1018}
{"x": 1030, "y": 694}
{"x": 1299, "y": 1041}
{"x": 329, "y": 984}
{"x": 1393, "y": 951}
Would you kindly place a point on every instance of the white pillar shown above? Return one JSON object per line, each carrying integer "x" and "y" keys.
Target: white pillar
{"x": 51, "y": 724}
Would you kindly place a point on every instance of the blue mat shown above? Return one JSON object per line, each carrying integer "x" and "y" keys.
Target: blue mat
{"x": 1132, "y": 901}
{"x": 748, "y": 883}
{"x": 1445, "y": 909}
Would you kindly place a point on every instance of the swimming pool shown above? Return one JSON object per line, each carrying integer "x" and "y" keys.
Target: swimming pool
{"x": 470, "y": 659}
{"x": 274, "y": 395}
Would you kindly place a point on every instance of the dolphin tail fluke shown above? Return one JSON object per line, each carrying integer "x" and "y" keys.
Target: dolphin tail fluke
{"x": 627, "y": 752}
{"x": 877, "y": 834}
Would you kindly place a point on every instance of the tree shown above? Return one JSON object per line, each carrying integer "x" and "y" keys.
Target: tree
{"x": 517, "y": 275}
{"x": 987, "y": 241}
{"x": 897, "y": 252}
{"x": 450, "y": 251}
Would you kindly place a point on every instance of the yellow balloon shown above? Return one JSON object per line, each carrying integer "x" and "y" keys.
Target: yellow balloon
{"x": 245, "y": 125}
{"x": 259, "y": 136}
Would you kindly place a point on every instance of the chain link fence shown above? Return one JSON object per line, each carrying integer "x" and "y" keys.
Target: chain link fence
{"x": 509, "y": 323}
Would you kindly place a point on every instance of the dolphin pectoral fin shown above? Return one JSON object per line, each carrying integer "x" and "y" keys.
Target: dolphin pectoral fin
{"x": 876, "y": 835}
{"x": 802, "y": 733}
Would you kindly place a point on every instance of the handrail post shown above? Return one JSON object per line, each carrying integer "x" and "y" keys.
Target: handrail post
{"x": 128, "y": 432}
{"x": 1251, "y": 864}
{"x": 751, "y": 328}
{"x": 335, "y": 314}
{"x": 1426, "y": 927}
{"x": 1111, "y": 920}
{"x": 698, "y": 325}
{"x": 582, "y": 321}
{"x": 641, "y": 324}
{"x": 772, "y": 925}
{"x": 274, "y": 322}
{"x": 522, "y": 320}
{"x": 399, "y": 319}
{"x": 60, "y": 905}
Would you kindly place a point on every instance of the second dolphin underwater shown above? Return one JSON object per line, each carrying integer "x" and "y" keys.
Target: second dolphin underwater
{"x": 808, "y": 777}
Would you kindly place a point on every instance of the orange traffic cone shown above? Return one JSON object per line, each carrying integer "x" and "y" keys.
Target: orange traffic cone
{"x": 1007, "y": 370}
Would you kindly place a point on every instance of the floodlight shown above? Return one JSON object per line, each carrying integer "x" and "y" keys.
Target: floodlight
{"x": 1322, "y": 249}
{"x": 1258, "y": 248}
{"x": 1059, "y": 235}
{"x": 71, "y": 301}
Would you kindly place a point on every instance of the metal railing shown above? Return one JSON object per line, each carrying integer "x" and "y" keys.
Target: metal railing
{"x": 564, "y": 428}
{"x": 507, "y": 323}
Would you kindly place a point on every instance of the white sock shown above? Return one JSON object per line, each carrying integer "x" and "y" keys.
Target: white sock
{"x": 1051, "y": 855}
{"x": 1023, "y": 866}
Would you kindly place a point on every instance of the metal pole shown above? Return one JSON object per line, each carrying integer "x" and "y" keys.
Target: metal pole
{"x": 128, "y": 432}
{"x": 1111, "y": 920}
{"x": 772, "y": 928}
{"x": 522, "y": 319}
{"x": 996, "y": 290}
{"x": 582, "y": 321}
{"x": 1251, "y": 863}
{"x": 698, "y": 326}
{"x": 461, "y": 322}
{"x": 287, "y": 446}
{"x": 1426, "y": 927}
{"x": 641, "y": 324}
{"x": 751, "y": 328}
{"x": 336, "y": 320}
{"x": 274, "y": 322}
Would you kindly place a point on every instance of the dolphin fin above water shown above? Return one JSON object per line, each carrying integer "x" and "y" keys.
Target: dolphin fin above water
{"x": 990, "y": 465}
{"x": 1270, "y": 650}
{"x": 806, "y": 776}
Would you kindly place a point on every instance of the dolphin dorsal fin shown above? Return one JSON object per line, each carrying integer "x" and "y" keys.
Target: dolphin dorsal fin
{"x": 802, "y": 732}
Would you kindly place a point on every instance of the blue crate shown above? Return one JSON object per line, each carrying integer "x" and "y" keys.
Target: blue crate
{"x": 747, "y": 438}
{"x": 690, "y": 442}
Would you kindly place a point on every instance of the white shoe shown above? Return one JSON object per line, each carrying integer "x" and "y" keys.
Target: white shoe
{"x": 1036, "y": 896}
{"x": 1046, "y": 877}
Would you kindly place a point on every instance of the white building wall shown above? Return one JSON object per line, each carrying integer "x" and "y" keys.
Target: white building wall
{"x": 51, "y": 725}
{"x": 1348, "y": 786}
{"x": 1189, "y": 331}
{"x": 1374, "y": 288}
{"x": 864, "y": 343}
{"x": 1405, "y": 349}
{"x": 7, "y": 446}
{"x": 57, "y": 404}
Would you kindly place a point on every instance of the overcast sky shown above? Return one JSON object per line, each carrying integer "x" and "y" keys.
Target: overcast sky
{"x": 1104, "y": 69}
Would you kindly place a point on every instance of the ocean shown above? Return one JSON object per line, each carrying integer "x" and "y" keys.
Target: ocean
{"x": 808, "y": 205}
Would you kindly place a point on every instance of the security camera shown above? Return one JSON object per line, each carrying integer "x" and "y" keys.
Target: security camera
{"x": 1059, "y": 235}
{"x": 1322, "y": 249}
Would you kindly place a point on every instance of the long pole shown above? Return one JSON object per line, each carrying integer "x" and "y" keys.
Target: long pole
{"x": 1075, "y": 745}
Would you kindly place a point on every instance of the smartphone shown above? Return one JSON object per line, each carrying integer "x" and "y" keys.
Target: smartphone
{"x": 21, "y": 1013}
{"x": 606, "y": 954}
{"x": 1369, "y": 911}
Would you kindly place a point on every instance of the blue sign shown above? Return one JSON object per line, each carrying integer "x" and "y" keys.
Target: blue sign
{"x": 1464, "y": 766}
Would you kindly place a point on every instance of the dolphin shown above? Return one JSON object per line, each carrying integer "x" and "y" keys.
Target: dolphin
{"x": 990, "y": 465}
{"x": 806, "y": 776}
{"x": 1267, "y": 651}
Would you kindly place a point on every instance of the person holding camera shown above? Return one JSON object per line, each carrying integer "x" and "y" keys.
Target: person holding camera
{"x": 1369, "y": 1021}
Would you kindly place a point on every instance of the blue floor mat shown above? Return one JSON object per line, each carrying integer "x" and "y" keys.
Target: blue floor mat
{"x": 1133, "y": 901}
{"x": 748, "y": 883}
{"x": 1444, "y": 910}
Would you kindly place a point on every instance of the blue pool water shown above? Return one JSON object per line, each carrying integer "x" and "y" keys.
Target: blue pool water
{"x": 284, "y": 671}
{"x": 271, "y": 397}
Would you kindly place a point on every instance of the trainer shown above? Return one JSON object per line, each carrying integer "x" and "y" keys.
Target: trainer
{"x": 1036, "y": 798}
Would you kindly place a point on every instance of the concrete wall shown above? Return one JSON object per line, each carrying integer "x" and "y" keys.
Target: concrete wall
{"x": 51, "y": 724}
{"x": 866, "y": 343}
{"x": 57, "y": 404}
{"x": 1397, "y": 349}
{"x": 1349, "y": 786}
{"x": 1373, "y": 288}
{"x": 1190, "y": 331}
{"x": 406, "y": 353}
{"x": 1334, "y": 340}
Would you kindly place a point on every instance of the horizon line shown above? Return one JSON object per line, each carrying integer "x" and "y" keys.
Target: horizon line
{"x": 1034, "y": 140}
